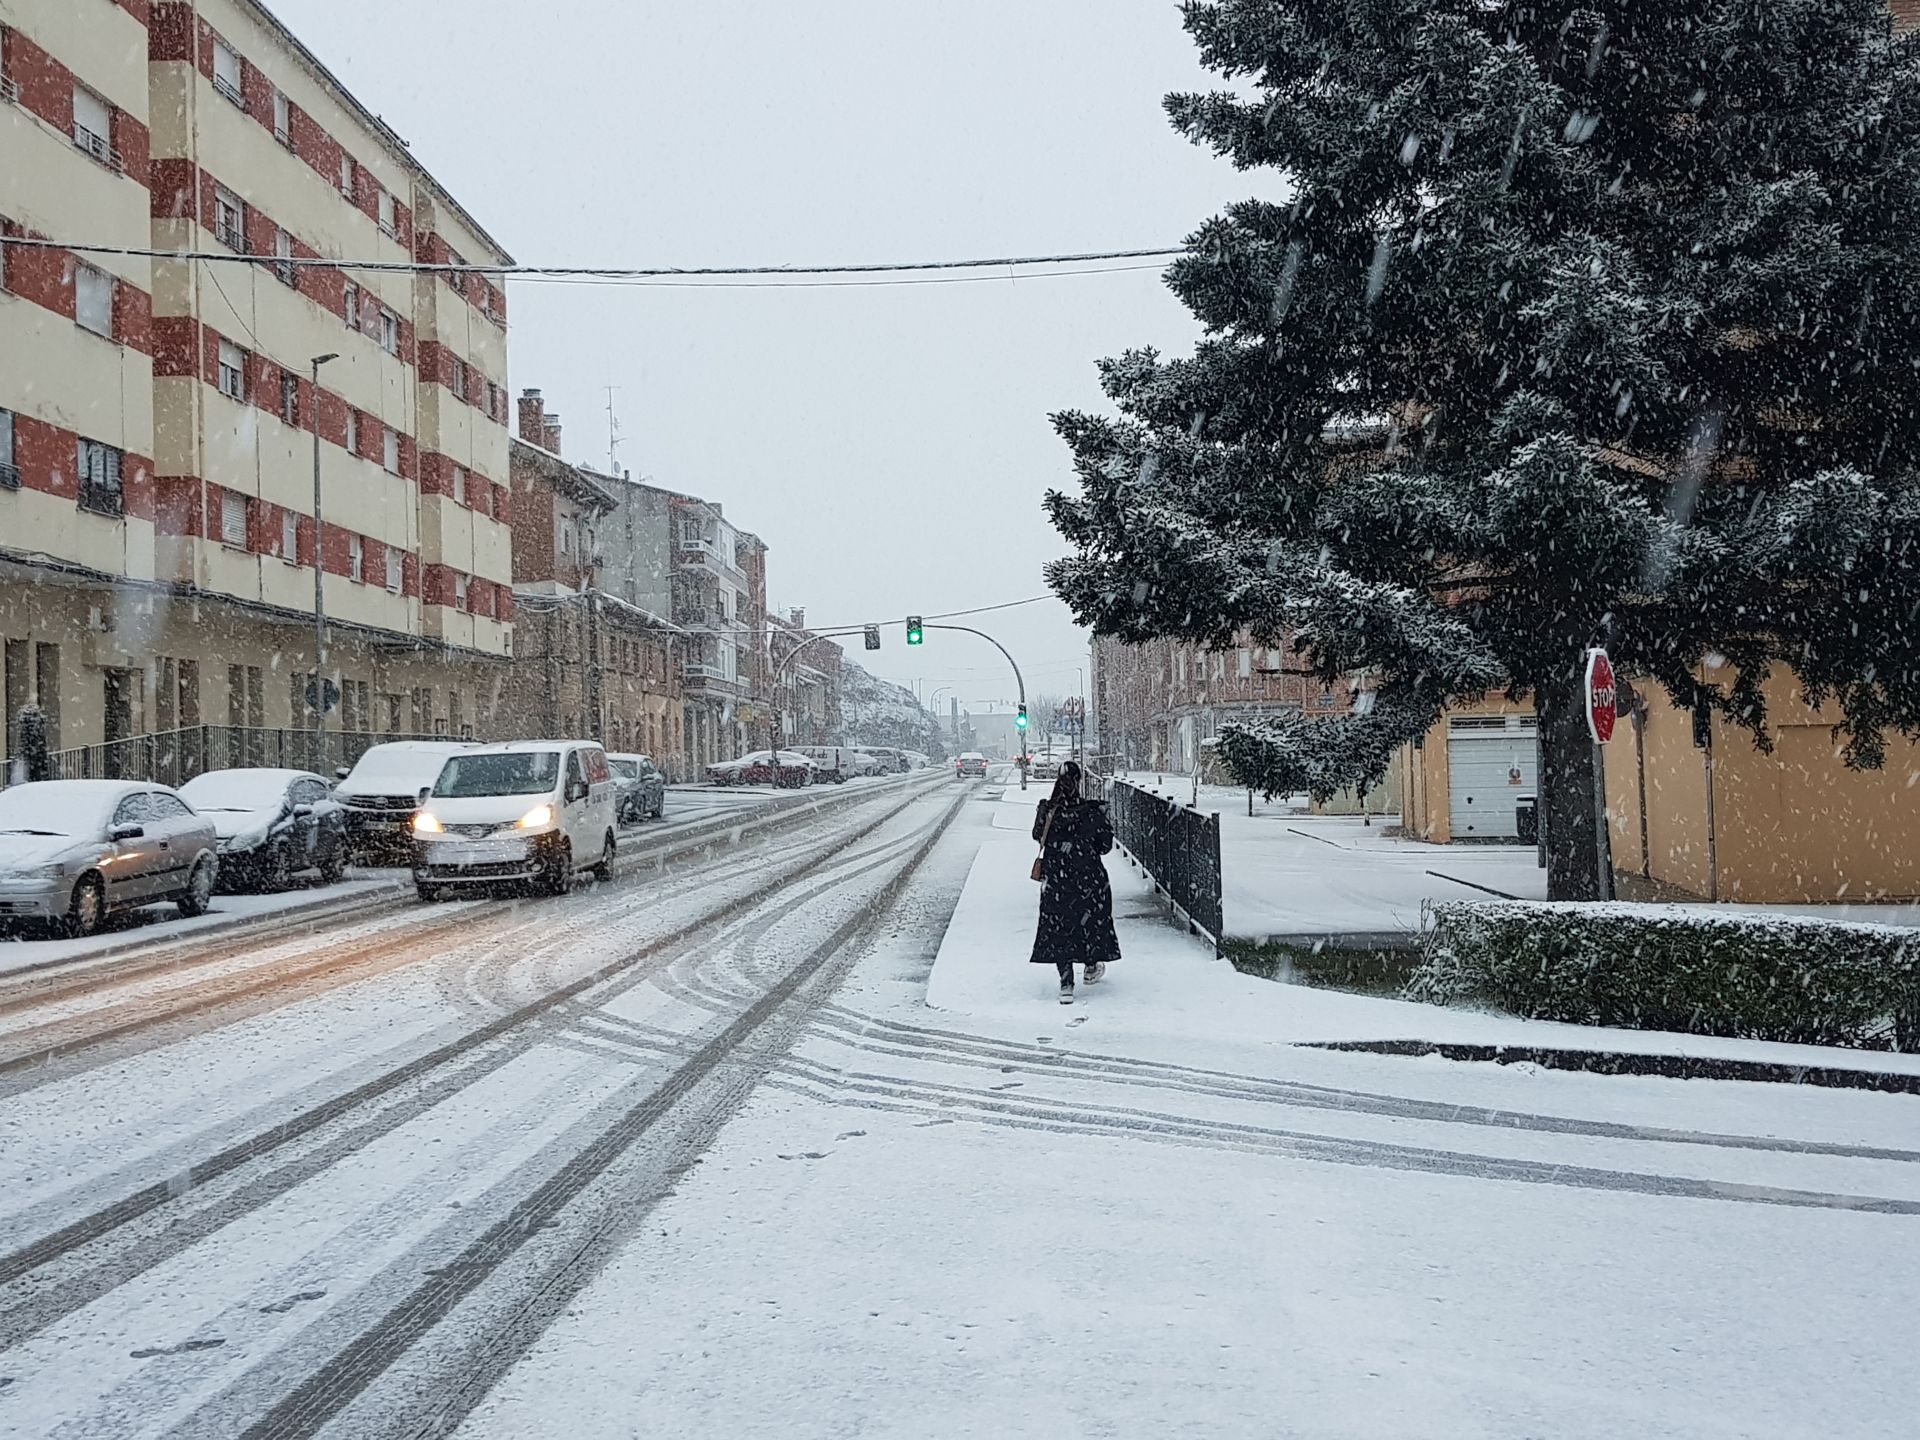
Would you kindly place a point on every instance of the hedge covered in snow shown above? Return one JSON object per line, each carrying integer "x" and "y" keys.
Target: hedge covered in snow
{"x": 1661, "y": 967}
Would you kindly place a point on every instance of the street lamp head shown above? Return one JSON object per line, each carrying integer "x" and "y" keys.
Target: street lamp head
{"x": 320, "y": 360}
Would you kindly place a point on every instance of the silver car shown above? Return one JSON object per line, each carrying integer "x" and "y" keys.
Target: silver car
{"x": 74, "y": 851}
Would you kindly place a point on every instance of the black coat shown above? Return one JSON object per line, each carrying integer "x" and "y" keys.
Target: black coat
{"x": 1076, "y": 901}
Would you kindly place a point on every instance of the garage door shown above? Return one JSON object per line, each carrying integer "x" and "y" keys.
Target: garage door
{"x": 1490, "y": 764}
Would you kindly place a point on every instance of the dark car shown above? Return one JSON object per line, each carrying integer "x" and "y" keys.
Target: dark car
{"x": 273, "y": 825}
{"x": 971, "y": 763}
{"x": 643, "y": 789}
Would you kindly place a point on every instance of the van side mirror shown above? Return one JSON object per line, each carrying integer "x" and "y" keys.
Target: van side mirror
{"x": 340, "y": 772}
{"x": 577, "y": 791}
{"x": 127, "y": 832}
{"x": 302, "y": 809}
{"x": 425, "y": 790}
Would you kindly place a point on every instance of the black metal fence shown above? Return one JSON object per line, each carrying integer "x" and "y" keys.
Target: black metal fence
{"x": 173, "y": 757}
{"x": 1177, "y": 846}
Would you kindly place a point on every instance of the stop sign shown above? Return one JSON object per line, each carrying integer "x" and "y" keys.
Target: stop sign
{"x": 1602, "y": 709}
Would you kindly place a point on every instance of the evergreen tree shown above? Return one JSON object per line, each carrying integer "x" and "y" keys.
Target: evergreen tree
{"x": 1584, "y": 323}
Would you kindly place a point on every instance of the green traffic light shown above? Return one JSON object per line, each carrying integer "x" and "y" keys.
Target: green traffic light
{"x": 915, "y": 633}
{"x": 1020, "y": 720}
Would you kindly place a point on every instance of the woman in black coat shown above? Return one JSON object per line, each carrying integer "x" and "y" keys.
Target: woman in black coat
{"x": 1076, "y": 903}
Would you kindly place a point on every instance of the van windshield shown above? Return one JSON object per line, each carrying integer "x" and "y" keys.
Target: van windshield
{"x": 528, "y": 773}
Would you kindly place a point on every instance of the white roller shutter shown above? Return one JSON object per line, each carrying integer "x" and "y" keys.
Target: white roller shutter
{"x": 1490, "y": 764}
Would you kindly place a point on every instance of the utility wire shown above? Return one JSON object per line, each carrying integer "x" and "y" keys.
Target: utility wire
{"x": 599, "y": 272}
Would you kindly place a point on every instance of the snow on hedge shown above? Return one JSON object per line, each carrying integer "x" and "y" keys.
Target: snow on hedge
{"x": 1657, "y": 967}
{"x": 878, "y": 712}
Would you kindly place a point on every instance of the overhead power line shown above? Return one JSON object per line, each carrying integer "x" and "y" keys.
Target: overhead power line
{"x": 609, "y": 272}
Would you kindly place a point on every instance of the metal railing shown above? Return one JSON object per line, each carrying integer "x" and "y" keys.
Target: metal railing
{"x": 1177, "y": 846}
{"x": 173, "y": 757}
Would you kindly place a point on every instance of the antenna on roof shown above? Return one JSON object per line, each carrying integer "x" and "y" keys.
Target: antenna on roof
{"x": 613, "y": 434}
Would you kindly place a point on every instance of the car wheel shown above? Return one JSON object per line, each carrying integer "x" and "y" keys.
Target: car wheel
{"x": 604, "y": 870}
{"x": 87, "y": 908}
{"x": 334, "y": 868}
{"x": 279, "y": 874}
{"x": 558, "y": 879}
{"x": 429, "y": 894}
{"x": 198, "y": 895}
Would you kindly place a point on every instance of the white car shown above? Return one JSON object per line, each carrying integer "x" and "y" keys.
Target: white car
{"x": 381, "y": 793}
{"x": 839, "y": 763}
{"x": 535, "y": 810}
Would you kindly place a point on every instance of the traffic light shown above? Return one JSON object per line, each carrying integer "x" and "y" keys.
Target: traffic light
{"x": 873, "y": 637}
{"x": 916, "y": 632}
{"x": 1020, "y": 720}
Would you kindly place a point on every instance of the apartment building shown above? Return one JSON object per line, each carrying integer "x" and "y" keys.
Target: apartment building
{"x": 586, "y": 662}
{"x": 807, "y": 684}
{"x": 159, "y": 550}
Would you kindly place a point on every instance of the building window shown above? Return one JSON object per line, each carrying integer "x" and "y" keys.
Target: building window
{"x": 233, "y": 519}
{"x": 391, "y": 456}
{"x": 93, "y": 299}
{"x": 457, "y": 277}
{"x": 230, "y": 219}
{"x": 290, "y": 398}
{"x": 389, "y": 332}
{"x": 495, "y": 402}
{"x": 283, "y": 119}
{"x": 346, "y": 176}
{"x": 459, "y": 592}
{"x": 233, "y": 371}
{"x": 93, "y": 126}
{"x": 459, "y": 486}
{"x": 9, "y": 471}
{"x": 389, "y": 216}
{"x": 290, "y": 537}
{"x": 351, "y": 305}
{"x": 353, "y": 431}
{"x": 283, "y": 265}
{"x": 226, "y": 73}
{"x": 393, "y": 570}
{"x": 356, "y": 559}
{"x": 6, "y": 229}
{"x": 459, "y": 379}
{"x": 1246, "y": 664}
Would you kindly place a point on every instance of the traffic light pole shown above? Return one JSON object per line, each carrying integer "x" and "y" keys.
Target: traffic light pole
{"x": 1017, "y": 680}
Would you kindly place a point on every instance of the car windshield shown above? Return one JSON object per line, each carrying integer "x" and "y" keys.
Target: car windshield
{"x": 625, "y": 769}
{"x": 49, "y": 809}
{"x": 402, "y": 763}
{"x": 235, "y": 790}
{"x": 520, "y": 773}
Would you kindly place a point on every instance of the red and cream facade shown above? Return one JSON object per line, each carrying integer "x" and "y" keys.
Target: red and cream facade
{"x": 157, "y": 534}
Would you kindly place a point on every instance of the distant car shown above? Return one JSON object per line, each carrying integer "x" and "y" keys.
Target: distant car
{"x": 381, "y": 793}
{"x": 893, "y": 761}
{"x": 1045, "y": 767}
{"x": 74, "y": 851}
{"x": 790, "y": 771}
{"x": 917, "y": 759}
{"x": 642, "y": 788}
{"x": 538, "y": 810}
{"x": 272, "y": 824}
{"x": 840, "y": 763}
{"x": 971, "y": 763}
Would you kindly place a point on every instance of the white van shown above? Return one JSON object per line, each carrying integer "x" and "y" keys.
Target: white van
{"x": 531, "y": 810}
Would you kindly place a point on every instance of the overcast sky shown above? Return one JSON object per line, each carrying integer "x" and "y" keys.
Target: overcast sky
{"x": 889, "y": 443}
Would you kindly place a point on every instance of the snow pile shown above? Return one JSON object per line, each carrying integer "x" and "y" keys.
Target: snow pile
{"x": 1769, "y": 977}
{"x": 879, "y": 712}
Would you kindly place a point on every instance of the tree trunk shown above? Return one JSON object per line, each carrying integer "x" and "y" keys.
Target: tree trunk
{"x": 1566, "y": 793}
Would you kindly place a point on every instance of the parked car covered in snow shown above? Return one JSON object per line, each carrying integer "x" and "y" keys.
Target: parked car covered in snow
{"x": 790, "y": 770}
{"x": 642, "y": 788}
{"x": 840, "y": 763}
{"x": 74, "y": 851}
{"x": 272, "y": 824}
{"x": 381, "y": 793}
{"x": 893, "y": 761}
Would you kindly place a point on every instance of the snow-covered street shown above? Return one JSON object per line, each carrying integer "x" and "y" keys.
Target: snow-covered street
{"x": 788, "y": 1138}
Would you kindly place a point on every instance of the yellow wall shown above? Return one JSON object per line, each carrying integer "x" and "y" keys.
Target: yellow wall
{"x": 1423, "y": 786}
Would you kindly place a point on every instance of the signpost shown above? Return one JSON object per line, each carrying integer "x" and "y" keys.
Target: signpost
{"x": 1602, "y": 706}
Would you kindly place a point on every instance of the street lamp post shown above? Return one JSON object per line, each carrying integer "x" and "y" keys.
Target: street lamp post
{"x": 319, "y": 578}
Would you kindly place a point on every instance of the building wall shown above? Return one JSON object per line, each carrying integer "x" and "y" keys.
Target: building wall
{"x": 1793, "y": 826}
{"x": 1422, "y": 786}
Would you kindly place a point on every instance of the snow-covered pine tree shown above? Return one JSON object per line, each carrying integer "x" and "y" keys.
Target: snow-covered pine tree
{"x": 1584, "y": 323}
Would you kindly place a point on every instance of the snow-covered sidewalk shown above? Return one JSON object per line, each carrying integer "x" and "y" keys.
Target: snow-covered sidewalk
{"x": 1169, "y": 985}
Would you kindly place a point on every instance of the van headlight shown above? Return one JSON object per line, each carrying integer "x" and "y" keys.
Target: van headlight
{"x": 425, "y": 824}
{"x": 535, "y": 818}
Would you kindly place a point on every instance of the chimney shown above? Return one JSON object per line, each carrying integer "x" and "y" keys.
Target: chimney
{"x": 797, "y": 618}
{"x": 552, "y": 439}
{"x": 533, "y": 418}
